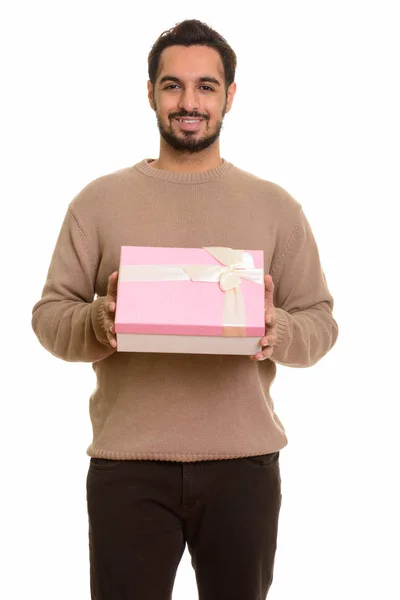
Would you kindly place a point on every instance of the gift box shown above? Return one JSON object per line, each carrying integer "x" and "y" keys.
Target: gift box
{"x": 190, "y": 300}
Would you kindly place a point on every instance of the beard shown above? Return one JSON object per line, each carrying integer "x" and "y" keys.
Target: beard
{"x": 189, "y": 141}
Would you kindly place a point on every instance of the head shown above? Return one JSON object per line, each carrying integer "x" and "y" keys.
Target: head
{"x": 191, "y": 74}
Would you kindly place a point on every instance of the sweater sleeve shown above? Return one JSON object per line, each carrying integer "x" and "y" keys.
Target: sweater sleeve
{"x": 305, "y": 324}
{"x": 67, "y": 319}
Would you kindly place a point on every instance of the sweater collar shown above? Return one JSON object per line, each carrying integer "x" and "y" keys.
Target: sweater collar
{"x": 144, "y": 166}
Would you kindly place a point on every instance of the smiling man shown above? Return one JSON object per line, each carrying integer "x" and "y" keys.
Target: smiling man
{"x": 185, "y": 447}
{"x": 190, "y": 106}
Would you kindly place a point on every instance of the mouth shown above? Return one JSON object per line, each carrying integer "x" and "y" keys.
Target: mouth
{"x": 188, "y": 124}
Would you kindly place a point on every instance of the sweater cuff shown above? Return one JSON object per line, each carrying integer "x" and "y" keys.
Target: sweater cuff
{"x": 281, "y": 326}
{"x": 97, "y": 312}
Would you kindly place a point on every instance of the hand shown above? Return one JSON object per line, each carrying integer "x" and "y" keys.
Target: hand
{"x": 109, "y": 309}
{"x": 269, "y": 340}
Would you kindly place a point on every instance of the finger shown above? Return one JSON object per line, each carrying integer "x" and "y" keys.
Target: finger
{"x": 112, "y": 328}
{"x": 113, "y": 285}
{"x": 267, "y": 347}
{"x": 110, "y": 307}
{"x": 270, "y": 339}
{"x": 266, "y": 353}
{"x": 270, "y": 317}
{"x": 112, "y": 340}
{"x": 270, "y": 323}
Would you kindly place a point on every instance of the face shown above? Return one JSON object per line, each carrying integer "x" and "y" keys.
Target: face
{"x": 190, "y": 85}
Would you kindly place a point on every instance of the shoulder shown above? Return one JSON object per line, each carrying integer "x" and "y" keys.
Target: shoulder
{"x": 277, "y": 197}
{"x": 99, "y": 190}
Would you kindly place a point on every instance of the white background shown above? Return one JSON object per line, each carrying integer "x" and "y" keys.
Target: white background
{"x": 316, "y": 111}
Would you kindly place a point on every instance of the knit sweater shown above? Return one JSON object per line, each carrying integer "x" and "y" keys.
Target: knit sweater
{"x": 183, "y": 407}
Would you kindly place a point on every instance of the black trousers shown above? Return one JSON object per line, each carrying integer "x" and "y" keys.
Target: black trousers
{"x": 143, "y": 512}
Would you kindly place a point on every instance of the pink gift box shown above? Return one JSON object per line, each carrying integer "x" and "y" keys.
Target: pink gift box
{"x": 174, "y": 300}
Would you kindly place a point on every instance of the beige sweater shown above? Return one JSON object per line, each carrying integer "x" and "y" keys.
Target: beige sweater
{"x": 179, "y": 407}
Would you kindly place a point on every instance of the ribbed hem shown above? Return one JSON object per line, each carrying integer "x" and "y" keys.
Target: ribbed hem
{"x": 281, "y": 325}
{"x": 97, "y": 308}
{"x": 181, "y": 457}
{"x": 145, "y": 167}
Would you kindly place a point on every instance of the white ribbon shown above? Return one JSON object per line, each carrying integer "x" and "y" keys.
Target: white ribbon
{"x": 235, "y": 265}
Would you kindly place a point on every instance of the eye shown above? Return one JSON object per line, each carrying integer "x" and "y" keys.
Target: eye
{"x": 173, "y": 85}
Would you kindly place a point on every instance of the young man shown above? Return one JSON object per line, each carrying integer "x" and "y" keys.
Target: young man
{"x": 185, "y": 447}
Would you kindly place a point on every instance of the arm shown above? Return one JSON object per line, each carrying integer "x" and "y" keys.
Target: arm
{"x": 306, "y": 329}
{"x": 67, "y": 320}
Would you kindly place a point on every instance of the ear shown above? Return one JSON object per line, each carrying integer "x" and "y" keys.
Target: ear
{"x": 150, "y": 94}
{"x": 231, "y": 95}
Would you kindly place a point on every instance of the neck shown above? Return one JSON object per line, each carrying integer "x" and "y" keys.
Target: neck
{"x": 184, "y": 162}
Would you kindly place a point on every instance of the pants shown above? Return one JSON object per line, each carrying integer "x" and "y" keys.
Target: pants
{"x": 142, "y": 513}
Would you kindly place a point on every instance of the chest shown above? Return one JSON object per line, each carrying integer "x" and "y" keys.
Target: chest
{"x": 184, "y": 224}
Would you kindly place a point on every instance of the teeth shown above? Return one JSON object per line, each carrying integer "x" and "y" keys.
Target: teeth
{"x": 186, "y": 121}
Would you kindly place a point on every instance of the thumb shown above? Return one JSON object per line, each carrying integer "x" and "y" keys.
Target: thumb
{"x": 269, "y": 284}
{"x": 112, "y": 285}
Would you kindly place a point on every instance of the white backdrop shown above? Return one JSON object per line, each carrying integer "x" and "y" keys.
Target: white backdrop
{"x": 316, "y": 111}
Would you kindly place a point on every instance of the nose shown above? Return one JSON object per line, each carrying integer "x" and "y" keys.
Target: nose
{"x": 188, "y": 100}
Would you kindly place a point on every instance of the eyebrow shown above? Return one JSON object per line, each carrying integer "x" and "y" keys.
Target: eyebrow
{"x": 206, "y": 79}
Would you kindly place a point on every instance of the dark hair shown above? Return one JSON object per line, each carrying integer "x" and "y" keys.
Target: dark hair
{"x": 193, "y": 33}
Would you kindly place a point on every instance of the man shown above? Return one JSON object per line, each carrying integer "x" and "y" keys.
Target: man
{"x": 185, "y": 447}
